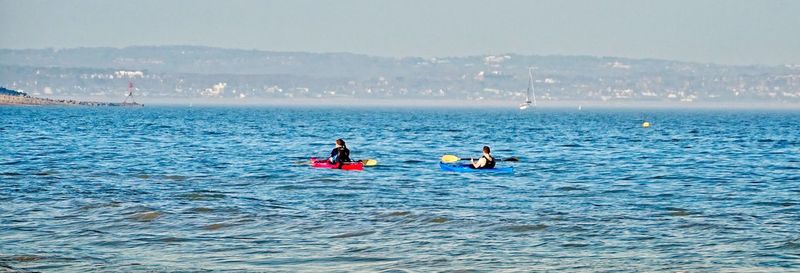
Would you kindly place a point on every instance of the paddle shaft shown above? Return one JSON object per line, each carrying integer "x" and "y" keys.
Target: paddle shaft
{"x": 506, "y": 159}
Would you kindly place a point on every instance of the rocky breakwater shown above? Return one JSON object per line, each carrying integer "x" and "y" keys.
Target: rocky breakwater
{"x": 12, "y": 97}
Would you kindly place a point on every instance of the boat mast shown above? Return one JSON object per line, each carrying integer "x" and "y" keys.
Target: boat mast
{"x": 530, "y": 92}
{"x": 130, "y": 93}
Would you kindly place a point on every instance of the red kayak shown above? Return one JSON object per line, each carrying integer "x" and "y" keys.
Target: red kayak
{"x": 350, "y": 166}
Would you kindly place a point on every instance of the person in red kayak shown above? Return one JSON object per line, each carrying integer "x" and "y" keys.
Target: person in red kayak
{"x": 340, "y": 153}
{"x": 485, "y": 162}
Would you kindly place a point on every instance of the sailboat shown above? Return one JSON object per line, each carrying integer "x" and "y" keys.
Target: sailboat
{"x": 529, "y": 93}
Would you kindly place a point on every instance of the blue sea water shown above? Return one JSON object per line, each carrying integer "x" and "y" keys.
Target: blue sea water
{"x": 225, "y": 189}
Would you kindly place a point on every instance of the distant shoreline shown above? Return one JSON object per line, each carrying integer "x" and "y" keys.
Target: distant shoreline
{"x": 33, "y": 101}
{"x": 403, "y": 103}
{"x": 456, "y": 103}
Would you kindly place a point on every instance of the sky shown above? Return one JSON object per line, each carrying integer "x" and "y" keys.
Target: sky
{"x": 765, "y": 32}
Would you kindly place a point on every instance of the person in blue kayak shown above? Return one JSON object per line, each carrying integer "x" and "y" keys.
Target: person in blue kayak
{"x": 340, "y": 153}
{"x": 485, "y": 162}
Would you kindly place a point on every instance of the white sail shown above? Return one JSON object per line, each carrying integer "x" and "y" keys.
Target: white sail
{"x": 529, "y": 93}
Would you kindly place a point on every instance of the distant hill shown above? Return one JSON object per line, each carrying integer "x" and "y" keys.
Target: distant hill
{"x": 206, "y": 72}
{"x": 210, "y": 60}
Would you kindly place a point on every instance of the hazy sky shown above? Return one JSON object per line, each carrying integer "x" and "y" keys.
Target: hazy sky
{"x": 723, "y": 31}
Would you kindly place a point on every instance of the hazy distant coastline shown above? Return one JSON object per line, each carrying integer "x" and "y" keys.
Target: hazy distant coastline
{"x": 448, "y": 104}
{"x": 231, "y": 76}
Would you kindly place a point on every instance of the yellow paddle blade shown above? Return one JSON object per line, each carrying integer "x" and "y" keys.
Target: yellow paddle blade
{"x": 369, "y": 162}
{"x": 450, "y": 158}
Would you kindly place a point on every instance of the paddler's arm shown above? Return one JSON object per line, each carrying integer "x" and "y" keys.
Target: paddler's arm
{"x": 333, "y": 155}
{"x": 478, "y": 164}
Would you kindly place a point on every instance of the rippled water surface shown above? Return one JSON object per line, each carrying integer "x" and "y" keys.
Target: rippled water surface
{"x": 215, "y": 188}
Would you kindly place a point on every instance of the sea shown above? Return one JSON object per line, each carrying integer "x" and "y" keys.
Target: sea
{"x": 229, "y": 189}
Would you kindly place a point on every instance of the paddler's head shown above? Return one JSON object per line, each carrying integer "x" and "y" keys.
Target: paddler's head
{"x": 340, "y": 143}
{"x": 486, "y": 150}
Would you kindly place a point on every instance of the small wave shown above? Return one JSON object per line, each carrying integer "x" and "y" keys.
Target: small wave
{"x": 357, "y": 249}
{"x": 616, "y": 191}
{"x": 215, "y": 226}
{"x": 342, "y": 195}
{"x": 259, "y": 176}
{"x": 397, "y": 216}
{"x": 702, "y": 226}
{"x": 352, "y": 234}
{"x": 171, "y": 239}
{"x": 395, "y": 271}
{"x": 31, "y": 258}
{"x": 658, "y": 177}
{"x": 679, "y": 212}
{"x": 348, "y": 259}
{"x": 175, "y": 177}
{"x": 201, "y": 210}
{"x": 12, "y": 162}
{"x": 524, "y": 228}
{"x": 412, "y": 161}
{"x": 629, "y": 178}
{"x": 146, "y": 216}
{"x": 661, "y": 196}
{"x": 292, "y": 187}
{"x": 774, "y": 204}
{"x": 22, "y": 258}
{"x": 302, "y": 186}
{"x": 793, "y": 244}
{"x": 576, "y": 245}
{"x": 91, "y": 231}
{"x": 569, "y": 188}
{"x": 399, "y": 213}
{"x": 203, "y": 196}
{"x": 100, "y": 205}
{"x": 44, "y": 173}
{"x": 213, "y": 133}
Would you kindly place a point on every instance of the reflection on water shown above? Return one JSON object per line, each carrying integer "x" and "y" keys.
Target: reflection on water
{"x": 184, "y": 189}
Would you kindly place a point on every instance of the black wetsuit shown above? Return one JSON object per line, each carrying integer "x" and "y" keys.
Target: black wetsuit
{"x": 340, "y": 155}
{"x": 489, "y": 163}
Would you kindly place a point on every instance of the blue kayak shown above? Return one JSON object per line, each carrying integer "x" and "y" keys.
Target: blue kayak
{"x": 465, "y": 168}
